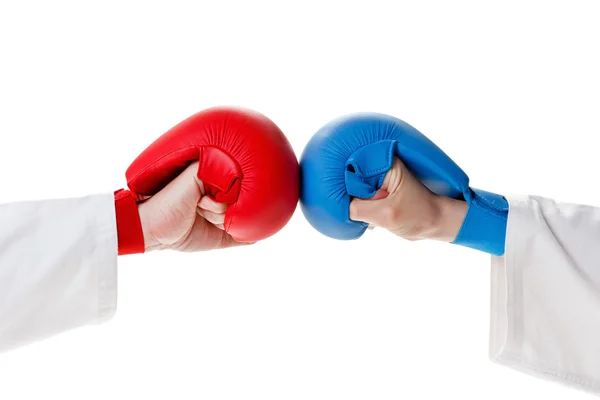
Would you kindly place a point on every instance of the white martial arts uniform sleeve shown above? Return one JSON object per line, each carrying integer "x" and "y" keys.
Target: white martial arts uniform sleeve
{"x": 58, "y": 261}
{"x": 545, "y": 305}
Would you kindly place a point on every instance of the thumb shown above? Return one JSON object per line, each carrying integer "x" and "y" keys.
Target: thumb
{"x": 367, "y": 210}
{"x": 181, "y": 189}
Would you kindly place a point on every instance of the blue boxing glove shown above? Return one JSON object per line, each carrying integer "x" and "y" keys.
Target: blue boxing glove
{"x": 350, "y": 156}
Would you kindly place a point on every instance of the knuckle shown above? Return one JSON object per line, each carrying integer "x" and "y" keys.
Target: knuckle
{"x": 390, "y": 215}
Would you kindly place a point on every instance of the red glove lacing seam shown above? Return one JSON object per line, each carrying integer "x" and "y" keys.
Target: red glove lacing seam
{"x": 129, "y": 226}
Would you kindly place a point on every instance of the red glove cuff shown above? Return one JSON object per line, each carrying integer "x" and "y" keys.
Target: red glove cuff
{"x": 129, "y": 227}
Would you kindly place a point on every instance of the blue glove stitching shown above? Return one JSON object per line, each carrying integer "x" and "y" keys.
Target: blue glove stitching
{"x": 370, "y": 173}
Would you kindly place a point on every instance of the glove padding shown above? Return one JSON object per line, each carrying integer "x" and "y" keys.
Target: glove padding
{"x": 244, "y": 160}
{"x": 350, "y": 156}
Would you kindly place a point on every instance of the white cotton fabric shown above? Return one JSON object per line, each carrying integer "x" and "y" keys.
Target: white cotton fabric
{"x": 545, "y": 304}
{"x": 58, "y": 271}
{"x": 58, "y": 267}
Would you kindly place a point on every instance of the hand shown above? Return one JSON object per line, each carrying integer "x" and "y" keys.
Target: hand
{"x": 405, "y": 207}
{"x": 180, "y": 217}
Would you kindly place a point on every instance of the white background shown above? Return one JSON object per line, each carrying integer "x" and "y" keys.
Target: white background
{"x": 510, "y": 90}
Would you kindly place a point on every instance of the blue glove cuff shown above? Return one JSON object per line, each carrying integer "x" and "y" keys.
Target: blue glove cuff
{"x": 484, "y": 227}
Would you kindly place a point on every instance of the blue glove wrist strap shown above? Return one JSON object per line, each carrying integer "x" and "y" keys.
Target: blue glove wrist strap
{"x": 484, "y": 227}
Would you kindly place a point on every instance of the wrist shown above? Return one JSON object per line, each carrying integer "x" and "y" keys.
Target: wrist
{"x": 150, "y": 241}
{"x": 449, "y": 217}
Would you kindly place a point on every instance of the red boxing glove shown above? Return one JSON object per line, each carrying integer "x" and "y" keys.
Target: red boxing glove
{"x": 245, "y": 161}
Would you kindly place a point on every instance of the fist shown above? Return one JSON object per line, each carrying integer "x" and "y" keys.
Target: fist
{"x": 182, "y": 217}
{"x": 405, "y": 207}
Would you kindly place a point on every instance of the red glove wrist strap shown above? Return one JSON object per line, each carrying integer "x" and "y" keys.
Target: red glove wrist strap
{"x": 129, "y": 227}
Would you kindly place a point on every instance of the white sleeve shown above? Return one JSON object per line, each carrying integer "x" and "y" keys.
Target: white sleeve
{"x": 545, "y": 304}
{"x": 58, "y": 267}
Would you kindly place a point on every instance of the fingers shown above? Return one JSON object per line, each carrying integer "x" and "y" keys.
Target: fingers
{"x": 394, "y": 176}
{"x": 209, "y": 209}
{"x": 214, "y": 218}
{"x": 227, "y": 241}
{"x": 371, "y": 210}
{"x": 208, "y": 204}
{"x": 199, "y": 182}
{"x": 380, "y": 194}
{"x": 364, "y": 210}
{"x": 206, "y": 236}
